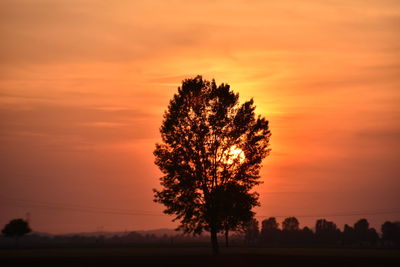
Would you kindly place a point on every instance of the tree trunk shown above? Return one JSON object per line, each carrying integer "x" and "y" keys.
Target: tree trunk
{"x": 214, "y": 241}
{"x": 227, "y": 238}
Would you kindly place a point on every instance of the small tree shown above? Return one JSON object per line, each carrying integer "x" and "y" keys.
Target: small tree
{"x": 326, "y": 232}
{"x": 209, "y": 141}
{"x": 290, "y": 224}
{"x": 306, "y": 236}
{"x": 391, "y": 232}
{"x": 270, "y": 230}
{"x": 361, "y": 231}
{"x": 235, "y": 204}
{"x": 348, "y": 235}
{"x": 252, "y": 231}
{"x": 290, "y": 230}
{"x": 16, "y": 228}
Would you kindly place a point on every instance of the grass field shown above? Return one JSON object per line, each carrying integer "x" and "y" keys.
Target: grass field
{"x": 192, "y": 256}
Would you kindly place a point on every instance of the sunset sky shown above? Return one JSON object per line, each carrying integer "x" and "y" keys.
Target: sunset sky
{"x": 84, "y": 84}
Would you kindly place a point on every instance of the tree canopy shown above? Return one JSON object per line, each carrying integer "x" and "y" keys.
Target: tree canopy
{"x": 16, "y": 228}
{"x": 290, "y": 224}
{"x": 210, "y": 156}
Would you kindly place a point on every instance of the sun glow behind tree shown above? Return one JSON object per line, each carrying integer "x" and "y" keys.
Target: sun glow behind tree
{"x": 234, "y": 154}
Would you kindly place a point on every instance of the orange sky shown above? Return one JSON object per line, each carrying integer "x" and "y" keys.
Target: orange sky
{"x": 83, "y": 86}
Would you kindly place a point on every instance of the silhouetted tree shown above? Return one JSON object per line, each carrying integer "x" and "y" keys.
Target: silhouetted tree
{"x": 290, "y": 224}
{"x": 290, "y": 230}
{"x": 348, "y": 235}
{"x": 361, "y": 231}
{"x": 363, "y": 234}
{"x": 208, "y": 140}
{"x": 252, "y": 231}
{"x": 235, "y": 205}
{"x": 16, "y": 228}
{"x": 361, "y": 225}
{"x": 270, "y": 230}
{"x": 269, "y": 224}
{"x": 391, "y": 233}
{"x": 326, "y": 232}
{"x": 306, "y": 236}
{"x": 373, "y": 236}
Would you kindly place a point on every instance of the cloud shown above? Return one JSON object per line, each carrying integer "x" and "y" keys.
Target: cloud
{"x": 78, "y": 31}
{"x": 69, "y": 124}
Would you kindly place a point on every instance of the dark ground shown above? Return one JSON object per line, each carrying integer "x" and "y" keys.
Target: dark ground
{"x": 198, "y": 256}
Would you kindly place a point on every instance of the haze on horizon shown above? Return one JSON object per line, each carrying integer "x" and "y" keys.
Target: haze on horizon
{"x": 84, "y": 84}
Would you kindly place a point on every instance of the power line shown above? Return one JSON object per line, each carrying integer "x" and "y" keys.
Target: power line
{"x": 341, "y": 214}
{"x": 73, "y": 207}
{"x": 116, "y": 211}
{"x": 57, "y": 208}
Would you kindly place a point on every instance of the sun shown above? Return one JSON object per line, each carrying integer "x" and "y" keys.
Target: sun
{"x": 233, "y": 154}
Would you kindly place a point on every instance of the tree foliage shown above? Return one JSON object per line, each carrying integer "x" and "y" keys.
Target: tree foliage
{"x": 252, "y": 231}
{"x": 327, "y": 234}
{"x": 210, "y": 156}
{"x": 234, "y": 204}
{"x": 326, "y": 231}
{"x": 269, "y": 224}
{"x": 16, "y": 228}
{"x": 290, "y": 224}
{"x": 270, "y": 230}
{"x": 391, "y": 232}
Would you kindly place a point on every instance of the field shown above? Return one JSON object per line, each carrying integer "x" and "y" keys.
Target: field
{"x": 193, "y": 256}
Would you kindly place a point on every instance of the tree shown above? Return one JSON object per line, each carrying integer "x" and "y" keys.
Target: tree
{"x": 361, "y": 226}
{"x": 209, "y": 141}
{"x": 348, "y": 235}
{"x": 16, "y": 228}
{"x": 269, "y": 224}
{"x": 326, "y": 232}
{"x": 363, "y": 234}
{"x": 361, "y": 231}
{"x": 290, "y": 231}
{"x": 391, "y": 232}
{"x": 252, "y": 231}
{"x": 290, "y": 224}
{"x": 269, "y": 230}
{"x": 306, "y": 236}
{"x": 235, "y": 205}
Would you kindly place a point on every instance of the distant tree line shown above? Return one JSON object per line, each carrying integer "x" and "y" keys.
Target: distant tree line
{"x": 269, "y": 234}
{"x": 131, "y": 238}
{"x": 326, "y": 233}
